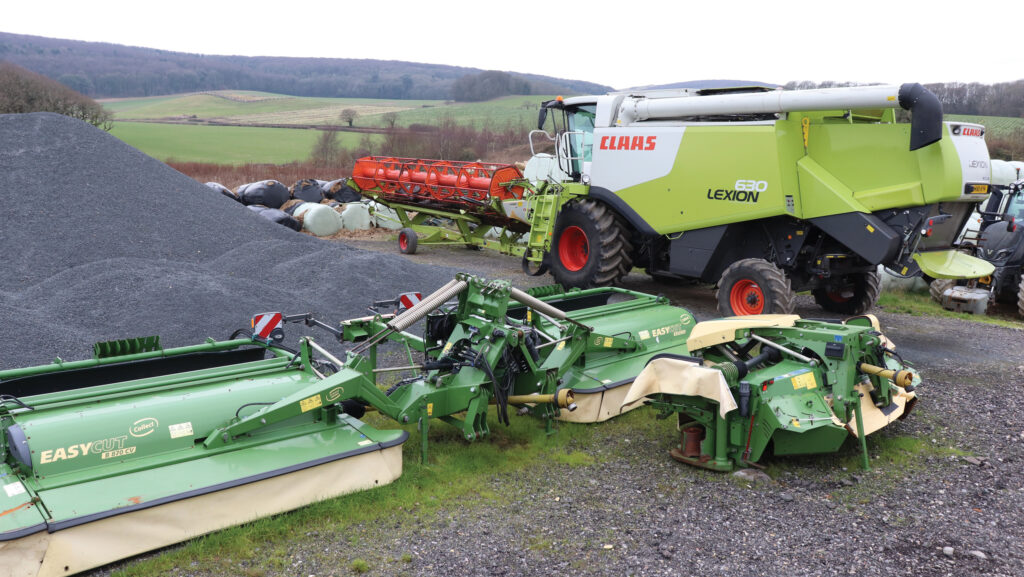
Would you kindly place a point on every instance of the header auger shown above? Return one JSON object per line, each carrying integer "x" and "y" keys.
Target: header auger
{"x": 141, "y": 447}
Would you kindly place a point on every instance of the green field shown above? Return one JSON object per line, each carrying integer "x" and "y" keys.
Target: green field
{"x": 244, "y": 107}
{"x": 260, "y": 108}
{"x": 223, "y": 144}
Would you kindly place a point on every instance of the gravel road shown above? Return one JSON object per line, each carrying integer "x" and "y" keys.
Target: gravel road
{"x": 97, "y": 244}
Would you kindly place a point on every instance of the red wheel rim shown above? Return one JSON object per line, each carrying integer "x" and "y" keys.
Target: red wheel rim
{"x": 836, "y": 297}
{"x": 746, "y": 298}
{"x": 403, "y": 241}
{"x": 573, "y": 248}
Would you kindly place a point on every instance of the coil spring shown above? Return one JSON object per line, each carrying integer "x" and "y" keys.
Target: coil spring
{"x": 545, "y": 291}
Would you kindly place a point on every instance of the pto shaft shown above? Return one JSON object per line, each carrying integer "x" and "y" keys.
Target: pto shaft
{"x": 901, "y": 378}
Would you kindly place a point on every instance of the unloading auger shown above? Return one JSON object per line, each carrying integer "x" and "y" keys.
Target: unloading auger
{"x": 141, "y": 447}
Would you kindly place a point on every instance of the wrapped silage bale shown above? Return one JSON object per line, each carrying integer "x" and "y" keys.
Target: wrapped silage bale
{"x": 275, "y": 215}
{"x": 891, "y": 282}
{"x": 307, "y": 190}
{"x": 384, "y": 217}
{"x": 340, "y": 190}
{"x": 269, "y": 193}
{"x": 318, "y": 219}
{"x": 291, "y": 205}
{"x": 224, "y": 190}
{"x": 356, "y": 216}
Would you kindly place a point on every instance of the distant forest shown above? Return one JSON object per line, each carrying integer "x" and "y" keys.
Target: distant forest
{"x": 1001, "y": 99}
{"x": 104, "y": 70}
{"x": 113, "y": 71}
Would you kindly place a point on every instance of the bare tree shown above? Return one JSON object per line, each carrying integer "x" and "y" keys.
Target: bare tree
{"x": 326, "y": 150}
{"x": 349, "y": 115}
{"x": 390, "y": 119}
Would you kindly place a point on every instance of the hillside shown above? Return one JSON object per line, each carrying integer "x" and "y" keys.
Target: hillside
{"x": 113, "y": 71}
{"x": 245, "y": 108}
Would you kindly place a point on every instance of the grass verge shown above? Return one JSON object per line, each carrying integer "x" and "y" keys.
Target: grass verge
{"x": 458, "y": 472}
{"x": 921, "y": 304}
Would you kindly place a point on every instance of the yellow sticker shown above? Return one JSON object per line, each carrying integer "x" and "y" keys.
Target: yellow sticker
{"x": 805, "y": 381}
{"x": 430, "y": 409}
{"x": 799, "y": 233}
{"x": 311, "y": 403}
{"x": 905, "y": 269}
{"x": 870, "y": 228}
{"x": 644, "y": 335}
{"x": 796, "y": 423}
{"x": 529, "y": 316}
{"x": 560, "y": 346}
{"x": 447, "y": 347}
{"x": 608, "y": 341}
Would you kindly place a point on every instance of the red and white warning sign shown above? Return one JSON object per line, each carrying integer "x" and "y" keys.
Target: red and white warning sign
{"x": 409, "y": 300}
{"x": 264, "y": 323}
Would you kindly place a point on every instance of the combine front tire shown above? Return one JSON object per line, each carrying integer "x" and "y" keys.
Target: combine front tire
{"x": 939, "y": 286}
{"x": 590, "y": 246}
{"x": 407, "y": 241}
{"x": 754, "y": 286}
{"x": 855, "y": 297}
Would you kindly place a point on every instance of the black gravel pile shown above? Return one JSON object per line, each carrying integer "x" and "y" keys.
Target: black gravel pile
{"x": 100, "y": 241}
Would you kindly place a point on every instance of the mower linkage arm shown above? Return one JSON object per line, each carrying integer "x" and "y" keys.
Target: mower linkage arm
{"x": 309, "y": 321}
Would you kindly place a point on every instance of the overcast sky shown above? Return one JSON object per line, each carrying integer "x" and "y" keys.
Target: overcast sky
{"x": 620, "y": 44}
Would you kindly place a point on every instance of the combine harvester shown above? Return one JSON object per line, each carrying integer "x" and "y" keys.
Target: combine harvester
{"x": 142, "y": 447}
{"x": 764, "y": 192}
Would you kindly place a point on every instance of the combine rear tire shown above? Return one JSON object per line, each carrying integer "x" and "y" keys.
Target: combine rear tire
{"x": 754, "y": 286}
{"x": 859, "y": 294}
{"x": 1020, "y": 298}
{"x": 590, "y": 247}
{"x": 407, "y": 241}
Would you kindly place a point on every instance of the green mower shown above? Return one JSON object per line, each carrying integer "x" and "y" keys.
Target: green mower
{"x": 141, "y": 447}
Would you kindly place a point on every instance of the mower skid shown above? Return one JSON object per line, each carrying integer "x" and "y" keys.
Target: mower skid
{"x": 598, "y": 405}
{"x": 83, "y": 543}
{"x": 877, "y": 418}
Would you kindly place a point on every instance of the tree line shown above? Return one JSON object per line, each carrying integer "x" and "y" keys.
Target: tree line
{"x": 112, "y": 71}
{"x": 973, "y": 98}
{"x": 23, "y": 91}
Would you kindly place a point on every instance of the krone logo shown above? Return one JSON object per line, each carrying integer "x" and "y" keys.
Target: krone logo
{"x": 143, "y": 427}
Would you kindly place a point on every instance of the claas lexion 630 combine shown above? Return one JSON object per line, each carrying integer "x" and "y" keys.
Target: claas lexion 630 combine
{"x": 141, "y": 447}
{"x": 764, "y": 192}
